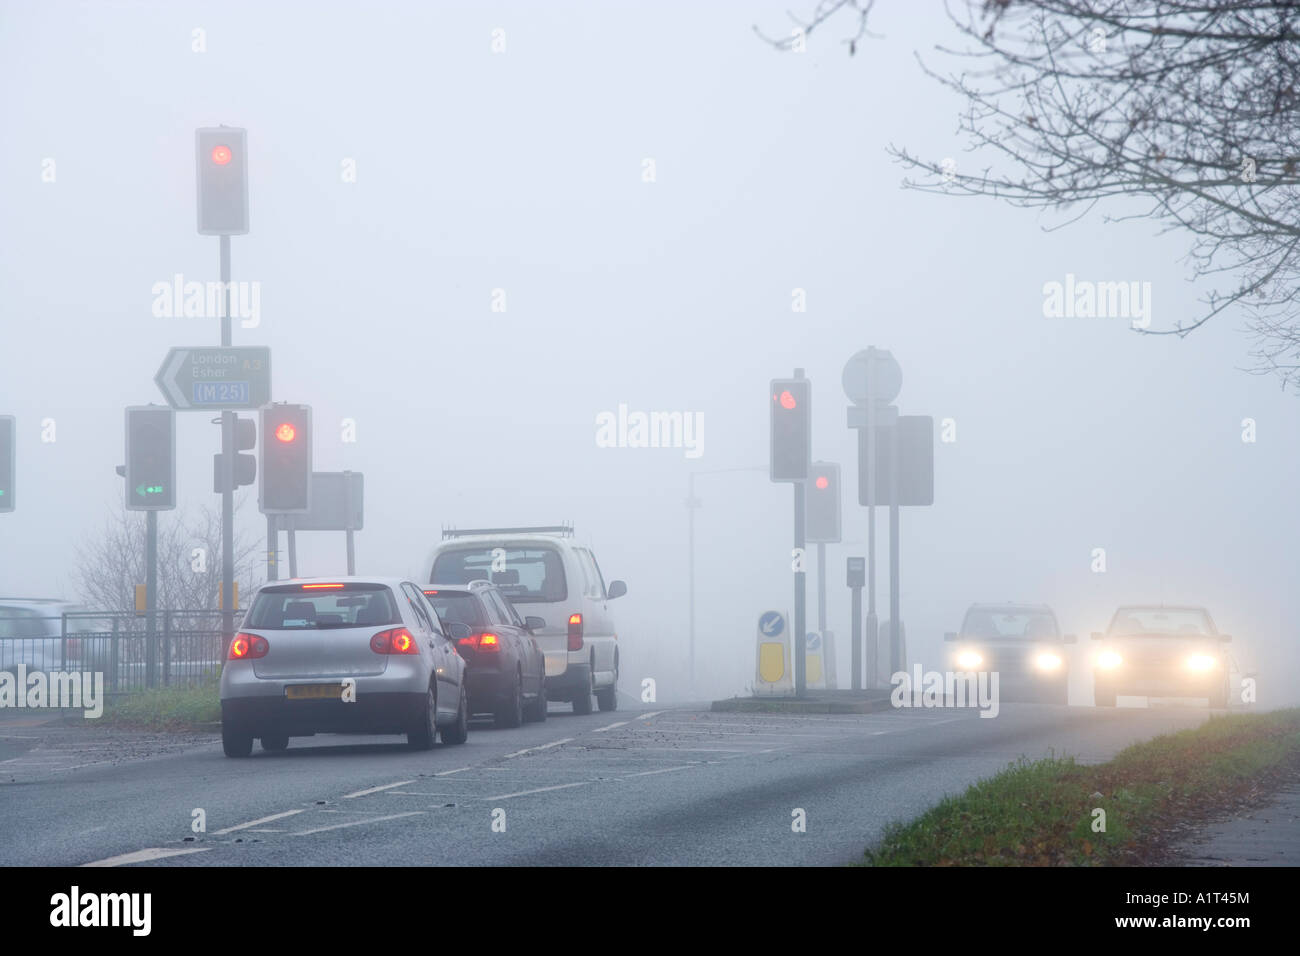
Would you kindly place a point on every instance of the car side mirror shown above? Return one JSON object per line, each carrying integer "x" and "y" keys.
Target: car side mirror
{"x": 456, "y": 631}
{"x": 534, "y": 623}
{"x": 1070, "y": 639}
{"x": 1225, "y": 638}
{"x": 1096, "y": 635}
{"x": 616, "y": 589}
{"x": 950, "y": 636}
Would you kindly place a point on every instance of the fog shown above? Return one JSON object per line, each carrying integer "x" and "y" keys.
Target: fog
{"x": 520, "y": 177}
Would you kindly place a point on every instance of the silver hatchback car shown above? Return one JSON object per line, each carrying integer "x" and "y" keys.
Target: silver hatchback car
{"x": 342, "y": 655}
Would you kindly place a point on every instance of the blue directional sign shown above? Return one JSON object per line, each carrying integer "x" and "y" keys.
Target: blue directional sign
{"x": 216, "y": 377}
{"x": 772, "y": 623}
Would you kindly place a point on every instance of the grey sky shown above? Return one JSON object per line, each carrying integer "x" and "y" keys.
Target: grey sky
{"x": 522, "y": 171}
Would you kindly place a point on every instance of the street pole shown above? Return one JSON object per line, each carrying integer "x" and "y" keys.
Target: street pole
{"x": 873, "y": 625}
{"x": 691, "y": 504}
{"x": 800, "y": 583}
{"x": 228, "y": 473}
{"x": 821, "y": 590}
{"x": 895, "y": 647}
{"x": 347, "y": 509}
{"x": 151, "y": 594}
{"x": 857, "y": 638}
{"x": 272, "y": 545}
{"x": 293, "y": 553}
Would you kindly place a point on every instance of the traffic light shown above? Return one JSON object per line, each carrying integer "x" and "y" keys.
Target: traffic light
{"x": 222, "y": 155}
{"x": 823, "y": 502}
{"x": 245, "y": 465}
{"x": 791, "y": 401}
{"x": 150, "y": 458}
{"x": 286, "y": 459}
{"x": 8, "y": 455}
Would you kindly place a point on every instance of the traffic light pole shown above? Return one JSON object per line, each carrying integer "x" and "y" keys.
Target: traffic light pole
{"x": 895, "y": 648}
{"x": 821, "y": 589}
{"x": 228, "y": 473}
{"x": 151, "y": 595}
{"x": 800, "y": 592}
{"x": 872, "y": 625}
{"x": 272, "y": 545}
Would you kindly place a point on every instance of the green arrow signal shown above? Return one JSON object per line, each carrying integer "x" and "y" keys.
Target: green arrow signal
{"x": 143, "y": 490}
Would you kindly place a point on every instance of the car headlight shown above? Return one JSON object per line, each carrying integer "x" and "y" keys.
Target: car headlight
{"x": 1047, "y": 661}
{"x": 1109, "y": 660}
{"x": 969, "y": 660}
{"x": 1202, "y": 662}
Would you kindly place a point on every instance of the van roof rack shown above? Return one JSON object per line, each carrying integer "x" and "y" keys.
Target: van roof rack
{"x": 564, "y": 530}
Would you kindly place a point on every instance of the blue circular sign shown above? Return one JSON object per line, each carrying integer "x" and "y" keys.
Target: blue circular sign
{"x": 772, "y": 624}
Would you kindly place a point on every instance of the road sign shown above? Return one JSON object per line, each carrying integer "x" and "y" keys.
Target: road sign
{"x": 204, "y": 378}
{"x": 772, "y": 624}
{"x": 329, "y": 504}
{"x": 872, "y": 375}
{"x": 915, "y": 462}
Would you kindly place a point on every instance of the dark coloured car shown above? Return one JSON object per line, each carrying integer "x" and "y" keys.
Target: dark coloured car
{"x": 1022, "y": 643}
{"x": 506, "y": 666}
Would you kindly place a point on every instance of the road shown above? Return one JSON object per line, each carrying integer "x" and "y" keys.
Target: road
{"x": 666, "y": 786}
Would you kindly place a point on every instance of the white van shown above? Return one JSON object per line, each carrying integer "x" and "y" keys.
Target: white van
{"x": 546, "y": 574}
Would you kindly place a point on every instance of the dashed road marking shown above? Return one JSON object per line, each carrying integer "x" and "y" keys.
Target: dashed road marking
{"x": 254, "y": 823}
{"x": 356, "y": 823}
{"x": 598, "y": 730}
{"x": 524, "y": 793}
{"x": 386, "y": 786}
{"x": 529, "y": 750}
{"x": 653, "y": 713}
{"x": 144, "y": 856}
{"x": 651, "y": 773}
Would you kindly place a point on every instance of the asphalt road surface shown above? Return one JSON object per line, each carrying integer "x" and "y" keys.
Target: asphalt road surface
{"x": 668, "y": 786}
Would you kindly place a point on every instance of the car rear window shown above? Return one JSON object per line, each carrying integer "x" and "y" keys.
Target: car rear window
{"x": 456, "y": 606}
{"x": 524, "y": 575}
{"x": 291, "y": 607}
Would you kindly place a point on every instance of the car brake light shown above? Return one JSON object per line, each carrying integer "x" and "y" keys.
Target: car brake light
{"x": 575, "y": 632}
{"x": 318, "y": 587}
{"x": 481, "y": 642}
{"x": 397, "y": 640}
{"x": 248, "y": 647}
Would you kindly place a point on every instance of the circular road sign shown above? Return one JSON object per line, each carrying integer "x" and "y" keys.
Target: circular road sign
{"x": 872, "y": 375}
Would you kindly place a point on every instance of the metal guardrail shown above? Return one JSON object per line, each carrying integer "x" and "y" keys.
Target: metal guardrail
{"x": 177, "y": 648}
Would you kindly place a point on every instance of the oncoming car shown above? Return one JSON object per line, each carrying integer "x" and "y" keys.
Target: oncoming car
{"x": 1022, "y": 643}
{"x": 1156, "y": 651}
{"x": 342, "y": 655}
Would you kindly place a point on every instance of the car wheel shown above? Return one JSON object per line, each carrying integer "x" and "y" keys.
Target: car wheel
{"x": 582, "y": 703}
{"x": 235, "y": 742}
{"x": 458, "y": 733}
{"x": 607, "y": 697}
{"x": 536, "y": 708}
{"x": 511, "y": 711}
{"x": 275, "y": 744}
{"x": 421, "y": 736}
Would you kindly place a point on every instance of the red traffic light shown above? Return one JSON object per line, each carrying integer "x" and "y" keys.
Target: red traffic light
{"x": 787, "y": 400}
{"x": 285, "y": 432}
{"x": 822, "y": 482}
{"x": 221, "y": 155}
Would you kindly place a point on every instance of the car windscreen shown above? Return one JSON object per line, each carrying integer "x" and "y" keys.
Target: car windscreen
{"x": 523, "y": 574}
{"x": 1161, "y": 620}
{"x": 1008, "y": 623}
{"x": 456, "y": 606}
{"x": 292, "y": 607}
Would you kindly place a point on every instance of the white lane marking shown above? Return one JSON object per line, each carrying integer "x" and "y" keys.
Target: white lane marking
{"x": 599, "y": 730}
{"x": 448, "y": 773}
{"x": 253, "y": 823}
{"x": 529, "y": 750}
{"x": 365, "y": 793}
{"x": 653, "y": 713}
{"x": 357, "y": 823}
{"x": 144, "y": 856}
{"x": 524, "y": 793}
{"x": 650, "y": 773}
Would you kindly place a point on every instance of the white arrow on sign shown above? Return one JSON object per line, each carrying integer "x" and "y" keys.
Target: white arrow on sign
{"x": 166, "y": 378}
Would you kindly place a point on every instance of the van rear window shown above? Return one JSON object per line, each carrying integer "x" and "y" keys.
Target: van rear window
{"x": 524, "y": 575}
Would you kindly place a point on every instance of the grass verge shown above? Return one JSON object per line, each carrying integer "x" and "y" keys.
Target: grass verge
{"x": 167, "y": 708}
{"x": 1044, "y": 812}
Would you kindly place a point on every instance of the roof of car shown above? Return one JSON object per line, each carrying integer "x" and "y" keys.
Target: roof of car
{"x": 1010, "y": 605}
{"x": 1161, "y": 607}
{"x": 341, "y": 579}
{"x": 476, "y": 585}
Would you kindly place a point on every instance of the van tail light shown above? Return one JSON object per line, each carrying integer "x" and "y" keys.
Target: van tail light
{"x": 248, "y": 647}
{"x": 397, "y": 640}
{"x": 575, "y": 632}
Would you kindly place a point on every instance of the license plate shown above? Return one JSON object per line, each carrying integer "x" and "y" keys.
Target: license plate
{"x": 314, "y": 691}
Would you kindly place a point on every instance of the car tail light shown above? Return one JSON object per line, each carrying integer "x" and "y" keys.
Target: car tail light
{"x": 575, "y": 632}
{"x": 481, "y": 642}
{"x": 397, "y": 640}
{"x": 248, "y": 647}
